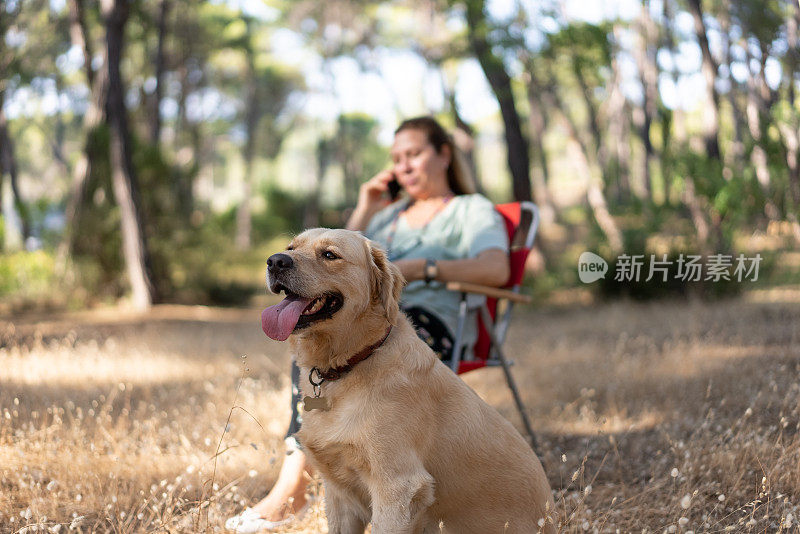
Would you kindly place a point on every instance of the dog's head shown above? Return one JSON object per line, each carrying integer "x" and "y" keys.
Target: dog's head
{"x": 332, "y": 279}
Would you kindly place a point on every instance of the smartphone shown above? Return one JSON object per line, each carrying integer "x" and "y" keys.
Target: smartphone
{"x": 394, "y": 189}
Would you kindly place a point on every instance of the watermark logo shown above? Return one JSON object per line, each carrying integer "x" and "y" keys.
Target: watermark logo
{"x": 591, "y": 267}
{"x": 688, "y": 268}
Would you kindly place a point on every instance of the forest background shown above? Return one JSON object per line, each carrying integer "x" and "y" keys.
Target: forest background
{"x": 159, "y": 150}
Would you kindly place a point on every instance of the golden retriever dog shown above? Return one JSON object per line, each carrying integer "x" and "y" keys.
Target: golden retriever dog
{"x": 399, "y": 440}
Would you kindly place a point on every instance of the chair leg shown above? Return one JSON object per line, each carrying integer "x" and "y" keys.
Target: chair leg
{"x": 518, "y": 401}
{"x": 512, "y": 385}
{"x": 455, "y": 357}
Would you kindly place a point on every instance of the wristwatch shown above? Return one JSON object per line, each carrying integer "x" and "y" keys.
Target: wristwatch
{"x": 431, "y": 270}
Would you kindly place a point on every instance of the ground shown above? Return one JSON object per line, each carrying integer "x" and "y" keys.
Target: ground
{"x": 670, "y": 416}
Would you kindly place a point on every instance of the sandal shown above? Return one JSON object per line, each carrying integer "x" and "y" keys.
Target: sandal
{"x": 251, "y": 522}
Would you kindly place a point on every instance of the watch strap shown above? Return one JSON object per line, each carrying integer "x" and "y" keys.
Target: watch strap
{"x": 431, "y": 270}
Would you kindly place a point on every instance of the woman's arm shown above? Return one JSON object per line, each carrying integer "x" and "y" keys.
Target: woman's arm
{"x": 359, "y": 220}
{"x": 489, "y": 268}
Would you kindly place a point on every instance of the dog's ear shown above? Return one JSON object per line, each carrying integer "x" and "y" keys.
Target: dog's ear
{"x": 386, "y": 280}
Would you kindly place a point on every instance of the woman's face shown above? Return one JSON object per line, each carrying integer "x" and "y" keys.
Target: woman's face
{"x": 419, "y": 169}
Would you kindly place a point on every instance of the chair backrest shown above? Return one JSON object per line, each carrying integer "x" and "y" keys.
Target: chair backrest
{"x": 522, "y": 222}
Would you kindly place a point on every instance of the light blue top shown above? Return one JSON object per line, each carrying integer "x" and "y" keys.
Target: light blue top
{"x": 465, "y": 227}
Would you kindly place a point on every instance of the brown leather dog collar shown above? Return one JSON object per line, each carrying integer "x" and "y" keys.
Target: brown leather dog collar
{"x": 335, "y": 373}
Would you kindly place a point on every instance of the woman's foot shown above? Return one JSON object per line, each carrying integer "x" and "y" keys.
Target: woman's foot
{"x": 285, "y": 502}
{"x": 280, "y": 505}
{"x": 249, "y": 521}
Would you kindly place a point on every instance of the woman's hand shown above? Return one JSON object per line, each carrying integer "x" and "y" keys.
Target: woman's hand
{"x": 371, "y": 199}
{"x": 371, "y": 193}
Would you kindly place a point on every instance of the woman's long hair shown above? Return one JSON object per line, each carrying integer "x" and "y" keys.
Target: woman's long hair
{"x": 459, "y": 178}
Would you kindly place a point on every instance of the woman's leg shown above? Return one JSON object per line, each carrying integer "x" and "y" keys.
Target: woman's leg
{"x": 431, "y": 330}
{"x": 288, "y": 495}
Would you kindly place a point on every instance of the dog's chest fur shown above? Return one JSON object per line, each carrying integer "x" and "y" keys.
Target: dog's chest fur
{"x": 339, "y": 461}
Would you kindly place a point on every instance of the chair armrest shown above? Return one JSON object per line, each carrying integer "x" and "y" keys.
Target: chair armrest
{"x": 489, "y": 291}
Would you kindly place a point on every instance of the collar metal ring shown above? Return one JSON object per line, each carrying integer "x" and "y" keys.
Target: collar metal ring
{"x": 320, "y": 379}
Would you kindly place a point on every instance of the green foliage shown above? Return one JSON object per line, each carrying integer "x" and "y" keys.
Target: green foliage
{"x": 580, "y": 49}
{"x": 357, "y": 153}
{"x": 642, "y": 289}
{"x": 98, "y": 240}
{"x": 28, "y": 281}
{"x": 760, "y": 18}
{"x": 667, "y": 229}
{"x": 283, "y": 214}
{"x": 200, "y": 269}
{"x": 356, "y": 133}
{"x": 276, "y": 84}
{"x": 165, "y": 220}
{"x": 31, "y": 273}
{"x": 47, "y": 36}
{"x": 233, "y": 96}
{"x": 209, "y": 269}
{"x": 204, "y": 266}
{"x": 587, "y": 42}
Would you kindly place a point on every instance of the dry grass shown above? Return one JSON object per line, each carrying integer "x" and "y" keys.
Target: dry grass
{"x": 669, "y": 417}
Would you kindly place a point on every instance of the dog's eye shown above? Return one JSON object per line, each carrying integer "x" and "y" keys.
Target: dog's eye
{"x": 330, "y": 255}
{"x": 290, "y": 247}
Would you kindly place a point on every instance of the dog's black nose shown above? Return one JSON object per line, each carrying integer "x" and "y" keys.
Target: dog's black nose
{"x": 279, "y": 262}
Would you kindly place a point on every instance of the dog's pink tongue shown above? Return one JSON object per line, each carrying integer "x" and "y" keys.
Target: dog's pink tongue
{"x": 279, "y": 320}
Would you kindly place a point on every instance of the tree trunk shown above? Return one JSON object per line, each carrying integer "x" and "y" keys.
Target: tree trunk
{"x": 791, "y": 143}
{"x": 243, "y": 214}
{"x": 541, "y": 170}
{"x": 311, "y": 209}
{"x": 155, "y": 112}
{"x": 184, "y": 184}
{"x": 500, "y": 82}
{"x": 709, "y": 68}
{"x": 59, "y": 132}
{"x": 187, "y": 144}
{"x": 647, "y": 65}
{"x": 594, "y": 185}
{"x": 789, "y": 132}
{"x": 697, "y": 214}
{"x": 79, "y": 36}
{"x": 739, "y": 124}
{"x": 602, "y": 158}
{"x": 679, "y": 133}
{"x": 464, "y": 138}
{"x": 345, "y": 156}
{"x": 618, "y": 123}
{"x": 182, "y": 120}
{"x": 126, "y": 191}
{"x": 244, "y": 220}
{"x": 541, "y": 255}
{"x": 594, "y": 190}
{"x": 758, "y": 156}
{"x": 97, "y": 82}
{"x": 8, "y": 165}
{"x": 464, "y": 133}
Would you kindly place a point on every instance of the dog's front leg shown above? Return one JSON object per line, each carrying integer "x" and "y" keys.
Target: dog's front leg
{"x": 400, "y": 502}
{"x": 345, "y": 516}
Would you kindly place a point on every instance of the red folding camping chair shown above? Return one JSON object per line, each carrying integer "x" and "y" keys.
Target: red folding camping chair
{"x": 522, "y": 222}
